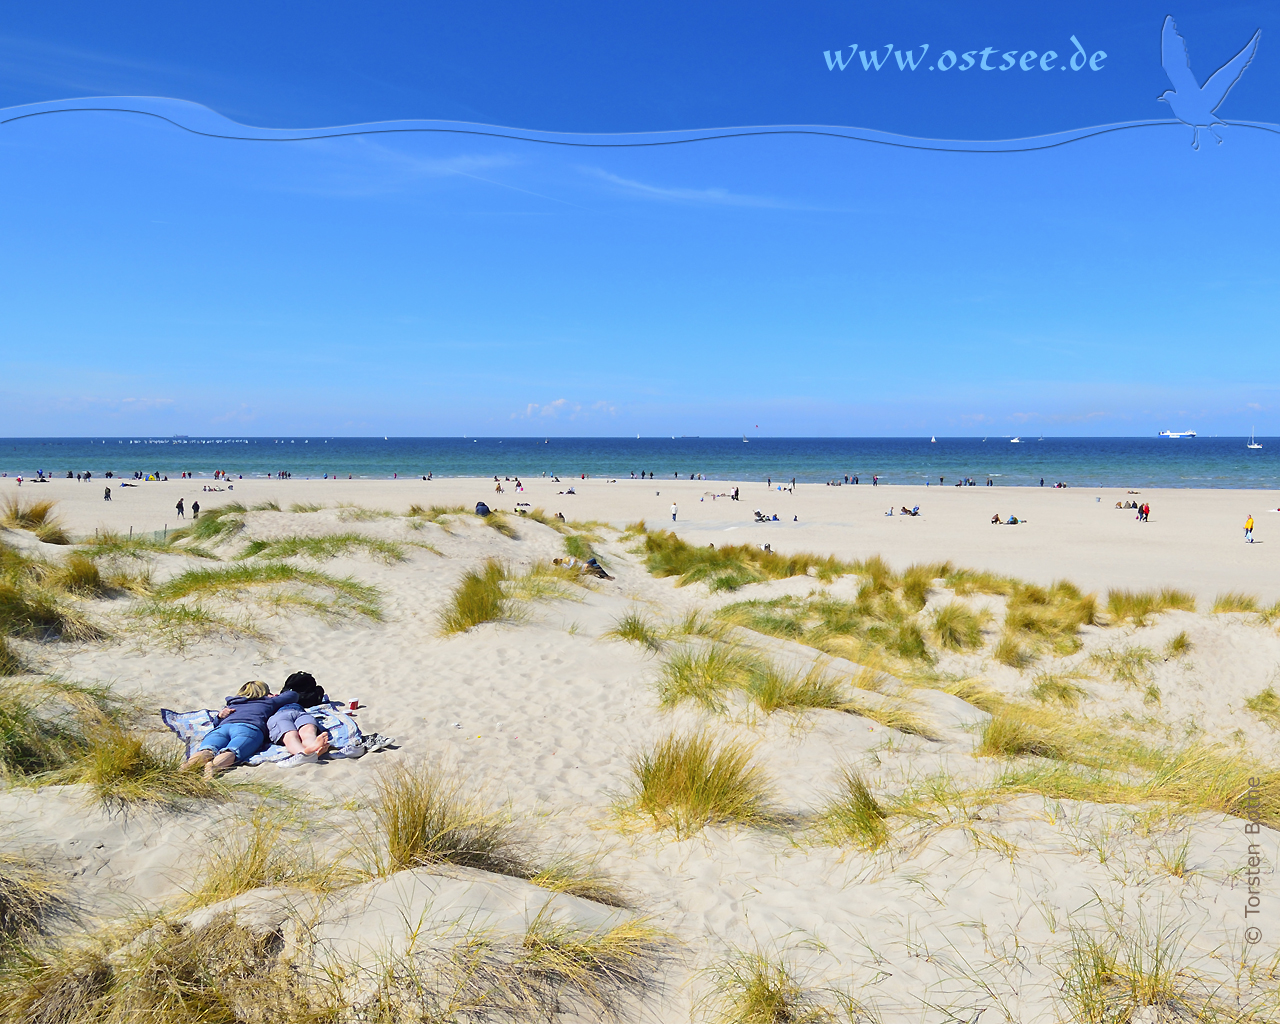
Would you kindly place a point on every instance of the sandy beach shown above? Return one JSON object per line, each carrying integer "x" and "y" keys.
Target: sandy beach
{"x": 1193, "y": 539}
{"x": 972, "y": 900}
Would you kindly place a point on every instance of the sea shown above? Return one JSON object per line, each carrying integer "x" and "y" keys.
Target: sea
{"x": 1074, "y": 461}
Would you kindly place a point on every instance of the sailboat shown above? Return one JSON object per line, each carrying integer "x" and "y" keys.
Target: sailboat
{"x": 1252, "y": 443}
{"x": 1015, "y": 440}
{"x": 744, "y": 439}
{"x": 933, "y": 440}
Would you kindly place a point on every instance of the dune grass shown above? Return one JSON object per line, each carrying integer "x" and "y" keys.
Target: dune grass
{"x": 1266, "y": 705}
{"x": 37, "y": 517}
{"x": 122, "y": 768}
{"x": 582, "y": 879}
{"x": 1234, "y": 601}
{"x": 266, "y": 849}
{"x": 1059, "y": 688}
{"x": 556, "y": 960}
{"x": 214, "y": 524}
{"x": 1010, "y": 651}
{"x": 705, "y": 674}
{"x": 479, "y": 597}
{"x": 44, "y": 724}
{"x": 637, "y": 628}
{"x": 1122, "y": 972}
{"x": 750, "y": 987}
{"x": 159, "y": 972}
{"x": 175, "y": 627}
{"x": 345, "y": 594}
{"x": 424, "y": 817}
{"x": 1138, "y": 606}
{"x": 853, "y": 815}
{"x": 31, "y": 898}
{"x": 33, "y": 596}
{"x": 1178, "y": 645}
{"x": 112, "y": 542}
{"x": 11, "y": 664}
{"x": 688, "y": 782}
{"x": 730, "y": 567}
{"x": 845, "y": 629}
{"x": 1129, "y": 665}
{"x": 306, "y": 506}
{"x": 320, "y": 549}
{"x": 1009, "y": 734}
{"x": 955, "y": 627}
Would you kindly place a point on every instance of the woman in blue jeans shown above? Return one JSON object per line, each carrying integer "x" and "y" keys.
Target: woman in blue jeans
{"x": 243, "y": 729}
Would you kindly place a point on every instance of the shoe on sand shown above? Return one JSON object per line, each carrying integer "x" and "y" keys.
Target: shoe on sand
{"x": 197, "y": 760}
{"x": 219, "y": 764}
{"x": 297, "y": 759}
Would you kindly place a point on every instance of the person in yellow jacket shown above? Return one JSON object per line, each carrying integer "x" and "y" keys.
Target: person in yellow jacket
{"x": 1248, "y": 530}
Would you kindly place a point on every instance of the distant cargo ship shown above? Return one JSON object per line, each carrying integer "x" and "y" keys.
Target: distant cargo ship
{"x": 1177, "y": 433}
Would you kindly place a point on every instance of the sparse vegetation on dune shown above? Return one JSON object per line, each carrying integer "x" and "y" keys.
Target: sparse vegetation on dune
{"x": 754, "y": 988}
{"x": 1266, "y": 705}
{"x": 956, "y": 627}
{"x": 345, "y": 594}
{"x": 121, "y": 767}
{"x": 214, "y": 524}
{"x": 853, "y": 815}
{"x": 1234, "y": 601}
{"x": 267, "y": 849}
{"x": 424, "y": 817}
{"x": 440, "y": 514}
{"x": 1138, "y": 606}
{"x": 36, "y": 517}
{"x": 1178, "y": 645}
{"x": 637, "y": 628}
{"x": 161, "y": 972}
{"x": 31, "y": 897}
{"x": 479, "y": 597}
{"x": 688, "y": 782}
{"x": 320, "y": 549}
{"x": 1130, "y": 665}
{"x": 1060, "y": 688}
{"x": 728, "y": 568}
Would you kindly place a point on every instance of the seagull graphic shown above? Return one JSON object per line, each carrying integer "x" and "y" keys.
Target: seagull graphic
{"x": 1192, "y": 103}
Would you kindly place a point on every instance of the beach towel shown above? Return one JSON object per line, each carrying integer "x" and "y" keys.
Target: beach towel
{"x": 345, "y": 738}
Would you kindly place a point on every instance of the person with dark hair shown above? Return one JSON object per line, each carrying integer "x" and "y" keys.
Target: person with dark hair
{"x": 293, "y": 726}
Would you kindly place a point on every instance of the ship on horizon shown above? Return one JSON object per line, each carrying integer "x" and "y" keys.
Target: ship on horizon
{"x": 1177, "y": 433}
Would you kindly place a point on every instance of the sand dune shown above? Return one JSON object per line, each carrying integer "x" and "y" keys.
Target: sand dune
{"x": 970, "y": 904}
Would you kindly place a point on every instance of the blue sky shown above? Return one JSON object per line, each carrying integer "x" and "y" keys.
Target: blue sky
{"x": 156, "y": 282}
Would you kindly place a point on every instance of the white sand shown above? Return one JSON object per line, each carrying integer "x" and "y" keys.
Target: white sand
{"x": 543, "y": 715}
{"x": 1194, "y": 539}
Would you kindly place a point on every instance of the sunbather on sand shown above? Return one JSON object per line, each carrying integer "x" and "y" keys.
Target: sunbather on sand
{"x": 243, "y": 730}
{"x": 293, "y": 726}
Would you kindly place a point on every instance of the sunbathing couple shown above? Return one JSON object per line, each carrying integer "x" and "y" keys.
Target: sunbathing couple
{"x": 1011, "y": 521}
{"x": 254, "y": 717}
{"x": 589, "y": 568}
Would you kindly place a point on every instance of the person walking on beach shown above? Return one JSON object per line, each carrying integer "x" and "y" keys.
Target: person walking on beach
{"x": 1248, "y": 530}
{"x": 674, "y": 510}
{"x": 195, "y": 510}
{"x": 181, "y": 512}
{"x": 106, "y": 493}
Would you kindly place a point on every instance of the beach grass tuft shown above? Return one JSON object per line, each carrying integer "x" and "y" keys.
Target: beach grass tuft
{"x": 214, "y": 524}
{"x": 37, "y": 517}
{"x": 853, "y": 815}
{"x": 1266, "y": 705}
{"x": 1009, "y": 651}
{"x": 637, "y": 628}
{"x": 1137, "y": 606}
{"x": 1130, "y": 665}
{"x": 555, "y": 958}
{"x": 1178, "y": 645}
{"x": 705, "y": 674}
{"x": 31, "y": 898}
{"x": 1058, "y": 688}
{"x": 1234, "y": 601}
{"x": 582, "y": 879}
{"x": 346, "y": 594}
{"x": 479, "y": 597}
{"x": 688, "y": 782}
{"x": 424, "y": 817}
{"x": 729, "y": 567}
{"x": 123, "y": 768}
{"x": 265, "y": 849}
{"x": 751, "y": 987}
{"x": 956, "y": 627}
{"x": 1010, "y": 734}
{"x": 320, "y": 549}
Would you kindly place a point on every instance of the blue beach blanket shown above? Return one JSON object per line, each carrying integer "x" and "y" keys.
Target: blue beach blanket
{"x": 345, "y": 738}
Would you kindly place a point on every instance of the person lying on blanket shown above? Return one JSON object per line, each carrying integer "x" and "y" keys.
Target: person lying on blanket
{"x": 242, "y": 731}
{"x": 293, "y": 726}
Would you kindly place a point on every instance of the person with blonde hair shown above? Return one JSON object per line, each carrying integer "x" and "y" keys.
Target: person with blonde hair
{"x": 242, "y": 731}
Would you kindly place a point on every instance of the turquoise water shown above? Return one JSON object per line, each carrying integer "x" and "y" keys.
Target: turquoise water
{"x": 1112, "y": 462}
